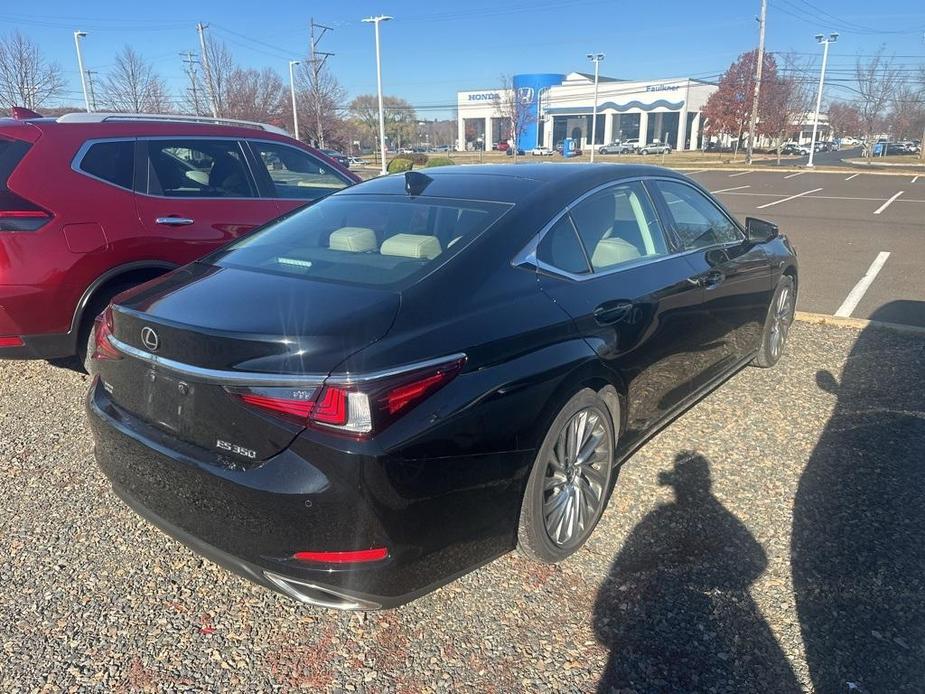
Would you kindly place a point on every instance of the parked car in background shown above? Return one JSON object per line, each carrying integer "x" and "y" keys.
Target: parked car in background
{"x": 339, "y": 157}
{"x": 655, "y": 148}
{"x": 542, "y": 152}
{"x": 357, "y": 162}
{"x": 94, "y": 203}
{"x": 300, "y": 406}
{"x": 795, "y": 148}
{"x": 632, "y": 145}
{"x": 616, "y": 147}
{"x": 510, "y": 151}
{"x": 502, "y": 146}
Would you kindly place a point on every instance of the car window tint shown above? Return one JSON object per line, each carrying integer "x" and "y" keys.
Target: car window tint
{"x": 561, "y": 249}
{"x": 199, "y": 169}
{"x": 617, "y": 226}
{"x": 113, "y": 162}
{"x": 363, "y": 239}
{"x": 696, "y": 220}
{"x": 297, "y": 174}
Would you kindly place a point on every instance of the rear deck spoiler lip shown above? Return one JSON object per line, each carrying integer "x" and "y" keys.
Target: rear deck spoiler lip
{"x": 227, "y": 377}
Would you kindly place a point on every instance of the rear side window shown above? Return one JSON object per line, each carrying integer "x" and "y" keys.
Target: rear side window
{"x": 297, "y": 174}
{"x": 363, "y": 239}
{"x": 113, "y": 162}
{"x": 561, "y": 249}
{"x": 198, "y": 169}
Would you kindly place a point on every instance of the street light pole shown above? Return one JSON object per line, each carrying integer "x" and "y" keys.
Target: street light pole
{"x": 832, "y": 38}
{"x": 595, "y": 58}
{"x": 375, "y": 21}
{"x": 80, "y": 66}
{"x": 295, "y": 111}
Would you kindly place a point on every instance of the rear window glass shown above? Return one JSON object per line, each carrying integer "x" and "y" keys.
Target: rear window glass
{"x": 368, "y": 240}
{"x": 113, "y": 162}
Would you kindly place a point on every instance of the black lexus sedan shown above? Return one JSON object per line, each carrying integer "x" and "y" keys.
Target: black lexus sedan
{"x": 380, "y": 392}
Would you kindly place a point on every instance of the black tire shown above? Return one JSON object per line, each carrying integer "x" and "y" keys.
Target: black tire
{"x": 777, "y": 324}
{"x": 576, "y": 485}
{"x": 644, "y": 152}
{"x": 95, "y": 307}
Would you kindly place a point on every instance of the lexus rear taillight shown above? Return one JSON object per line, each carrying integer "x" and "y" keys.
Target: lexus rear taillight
{"x": 360, "y": 407}
{"x": 18, "y": 214}
{"x": 102, "y": 329}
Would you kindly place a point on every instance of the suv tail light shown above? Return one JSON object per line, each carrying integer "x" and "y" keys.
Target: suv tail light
{"x": 102, "y": 329}
{"x": 361, "y": 408}
{"x": 18, "y": 214}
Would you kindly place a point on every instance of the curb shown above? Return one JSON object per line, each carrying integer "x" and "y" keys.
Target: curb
{"x": 795, "y": 169}
{"x": 857, "y": 323}
{"x": 864, "y": 164}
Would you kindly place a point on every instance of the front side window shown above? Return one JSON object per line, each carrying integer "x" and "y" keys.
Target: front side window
{"x": 695, "y": 219}
{"x": 617, "y": 226}
{"x": 198, "y": 169}
{"x": 113, "y": 162}
{"x": 296, "y": 174}
{"x": 379, "y": 240}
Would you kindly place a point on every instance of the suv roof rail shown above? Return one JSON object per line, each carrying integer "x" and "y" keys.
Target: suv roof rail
{"x": 97, "y": 117}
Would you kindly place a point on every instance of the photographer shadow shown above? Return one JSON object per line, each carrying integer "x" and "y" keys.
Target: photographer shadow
{"x": 676, "y": 612}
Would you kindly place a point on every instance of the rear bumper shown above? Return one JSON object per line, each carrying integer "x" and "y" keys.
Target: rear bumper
{"x": 318, "y": 499}
{"x": 34, "y": 314}
{"x": 53, "y": 346}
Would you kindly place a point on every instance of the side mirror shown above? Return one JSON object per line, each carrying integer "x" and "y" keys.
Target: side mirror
{"x": 760, "y": 231}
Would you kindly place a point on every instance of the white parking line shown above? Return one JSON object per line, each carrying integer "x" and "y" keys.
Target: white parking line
{"x": 887, "y": 203}
{"x": 798, "y": 173}
{"x": 741, "y": 173}
{"x": 855, "y": 295}
{"x": 852, "y": 176}
{"x": 726, "y": 190}
{"x": 915, "y": 179}
{"x": 791, "y": 197}
{"x": 696, "y": 171}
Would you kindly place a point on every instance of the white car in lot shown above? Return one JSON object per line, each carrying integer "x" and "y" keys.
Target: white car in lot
{"x": 542, "y": 152}
{"x": 655, "y": 148}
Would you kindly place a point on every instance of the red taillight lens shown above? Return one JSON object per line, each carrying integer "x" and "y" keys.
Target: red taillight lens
{"x": 360, "y": 409}
{"x": 18, "y": 214}
{"x": 349, "y": 557}
{"x": 11, "y": 341}
{"x": 102, "y": 326}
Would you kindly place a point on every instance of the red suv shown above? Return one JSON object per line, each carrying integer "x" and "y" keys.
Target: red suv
{"x": 92, "y": 203}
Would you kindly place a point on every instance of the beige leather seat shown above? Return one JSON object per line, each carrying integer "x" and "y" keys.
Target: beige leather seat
{"x": 613, "y": 251}
{"x": 353, "y": 239}
{"x": 412, "y": 246}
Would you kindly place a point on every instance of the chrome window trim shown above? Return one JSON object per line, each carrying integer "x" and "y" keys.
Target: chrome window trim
{"x": 82, "y": 152}
{"x": 226, "y": 377}
{"x": 527, "y": 255}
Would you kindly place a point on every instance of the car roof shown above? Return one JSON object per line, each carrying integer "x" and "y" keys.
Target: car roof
{"x": 140, "y": 127}
{"x": 506, "y": 182}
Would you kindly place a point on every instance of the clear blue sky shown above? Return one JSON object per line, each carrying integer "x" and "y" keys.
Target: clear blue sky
{"x": 433, "y": 49}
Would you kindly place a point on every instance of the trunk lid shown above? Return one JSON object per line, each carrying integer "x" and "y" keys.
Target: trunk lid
{"x": 191, "y": 338}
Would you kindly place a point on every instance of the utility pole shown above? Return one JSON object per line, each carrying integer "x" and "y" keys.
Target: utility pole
{"x": 90, "y": 74}
{"x": 201, "y": 28}
{"x": 317, "y": 61}
{"x": 190, "y": 60}
{"x": 833, "y": 37}
{"x": 753, "y": 116}
{"x": 80, "y": 66}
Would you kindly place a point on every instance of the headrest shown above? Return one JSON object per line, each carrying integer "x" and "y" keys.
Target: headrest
{"x": 353, "y": 239}
{"x": 412, "y": 246}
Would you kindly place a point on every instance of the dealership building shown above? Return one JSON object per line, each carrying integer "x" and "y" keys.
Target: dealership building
{"x": 560, "y": 106}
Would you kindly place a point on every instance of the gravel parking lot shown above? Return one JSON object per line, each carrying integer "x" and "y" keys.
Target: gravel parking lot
{"x": 772, "y": 538}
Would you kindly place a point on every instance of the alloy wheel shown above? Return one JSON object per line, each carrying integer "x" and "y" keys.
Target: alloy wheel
{"x": 781, "y": 319}
{"x": 576, "y": 473}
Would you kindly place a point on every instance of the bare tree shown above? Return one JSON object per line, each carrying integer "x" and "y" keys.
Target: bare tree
{"x": 133, "y": 86}
{"x": 514, "y": 109}
{"x": 877, "y": 81}
{"x": 320, "y": 97}
{"x": 217, "y": 79}
{"x": 26, "y": 79}
{"x": 256, "y": 95}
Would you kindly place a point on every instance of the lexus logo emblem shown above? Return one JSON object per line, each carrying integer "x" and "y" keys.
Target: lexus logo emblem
{"x": 149, "y": 338}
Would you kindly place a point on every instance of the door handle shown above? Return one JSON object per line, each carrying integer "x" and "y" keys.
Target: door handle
{"x": 612, "y": 312}
{"x": 174, "y": 221}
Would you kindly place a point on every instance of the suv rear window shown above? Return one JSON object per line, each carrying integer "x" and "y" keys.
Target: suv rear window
{"x": 367, "y": 240}
{"x": 113, "y": 162}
